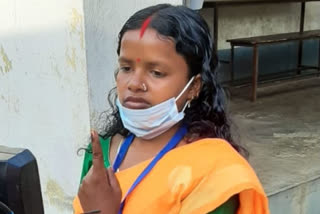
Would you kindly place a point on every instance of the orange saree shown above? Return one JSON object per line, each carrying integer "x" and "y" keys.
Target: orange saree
{"x": 193, "y": 179}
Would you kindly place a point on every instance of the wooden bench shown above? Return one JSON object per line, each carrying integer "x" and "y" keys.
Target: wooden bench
{"x": 217, "y": 4}
{"x": 257, "y": 41}
{"x": 262, "y": 40}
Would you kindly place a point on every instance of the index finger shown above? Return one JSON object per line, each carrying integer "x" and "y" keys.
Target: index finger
{"x": 97, "y": 155}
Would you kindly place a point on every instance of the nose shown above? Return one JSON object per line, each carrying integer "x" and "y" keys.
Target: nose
{"x": 136, "y": 82}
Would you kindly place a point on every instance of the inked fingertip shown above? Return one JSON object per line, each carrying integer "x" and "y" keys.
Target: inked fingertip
{"x": 91, "y": 134}
{"x": 94, "y": 135}
{"x": 110, "y": 168}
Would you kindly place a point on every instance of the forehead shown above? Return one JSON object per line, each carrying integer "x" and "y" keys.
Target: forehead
{"x": 146, "y": 35}
{"x": 151, "y": 40}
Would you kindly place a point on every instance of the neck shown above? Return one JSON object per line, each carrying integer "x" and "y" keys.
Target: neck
{"x": 161, "y": 139}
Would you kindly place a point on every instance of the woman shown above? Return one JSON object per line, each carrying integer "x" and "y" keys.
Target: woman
{"x": 168, "y": 137}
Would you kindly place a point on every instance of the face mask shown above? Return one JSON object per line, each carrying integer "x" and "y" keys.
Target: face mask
{"x": 152, "y": 122}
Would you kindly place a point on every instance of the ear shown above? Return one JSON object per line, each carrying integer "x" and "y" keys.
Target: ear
{"x": 195, "y": 87}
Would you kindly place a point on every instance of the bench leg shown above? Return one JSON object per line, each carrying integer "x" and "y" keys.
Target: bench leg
{"x": 232, "y": 63}
{"x": 319, "y": 59}
{"x": 302, "y": 16}
{"x": 300, "y": 56}
{"x": 255, "y": 73}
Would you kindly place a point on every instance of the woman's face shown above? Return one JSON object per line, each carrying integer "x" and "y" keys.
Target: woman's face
{"x": 150, "y": 71}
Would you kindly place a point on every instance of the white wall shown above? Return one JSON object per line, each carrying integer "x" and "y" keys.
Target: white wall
{"x": 103, "y": 21}
{"x": 44, "y": 90}
{"x": 256, "y": 20}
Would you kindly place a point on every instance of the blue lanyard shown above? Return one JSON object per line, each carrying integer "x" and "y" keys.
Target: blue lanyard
{"x": 124, "y": 148}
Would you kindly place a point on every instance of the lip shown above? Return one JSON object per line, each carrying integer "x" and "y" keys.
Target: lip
{"x": 136, "y": 103}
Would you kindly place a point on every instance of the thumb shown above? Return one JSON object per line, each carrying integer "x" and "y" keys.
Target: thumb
{"x": 114, "y": 183}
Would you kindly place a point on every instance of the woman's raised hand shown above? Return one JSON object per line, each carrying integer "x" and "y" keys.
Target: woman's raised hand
{"x": 100, "y": 189}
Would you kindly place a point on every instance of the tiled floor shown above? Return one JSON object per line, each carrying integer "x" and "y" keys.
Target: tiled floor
{"x": 281, "y": 130}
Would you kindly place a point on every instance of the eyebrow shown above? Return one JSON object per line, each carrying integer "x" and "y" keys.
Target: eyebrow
{"x": 154, "y": 64}
{"x": 126, "y": 60}
{"x": 123, "y": 59}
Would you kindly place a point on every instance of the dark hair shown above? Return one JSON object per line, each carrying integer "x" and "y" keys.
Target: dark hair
{"x": 206, "y": 116}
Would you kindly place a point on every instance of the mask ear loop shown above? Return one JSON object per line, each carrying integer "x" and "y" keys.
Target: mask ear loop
{"x": 186, "y": 105}
{"x": 185, "y": 88}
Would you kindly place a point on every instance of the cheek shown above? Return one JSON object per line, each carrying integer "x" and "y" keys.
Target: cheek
{"x": 163, "y": 92}
{"x": 120, "y": 83}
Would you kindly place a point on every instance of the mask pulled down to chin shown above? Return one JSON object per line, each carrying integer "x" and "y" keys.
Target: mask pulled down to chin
{"x": 152, "y": 122}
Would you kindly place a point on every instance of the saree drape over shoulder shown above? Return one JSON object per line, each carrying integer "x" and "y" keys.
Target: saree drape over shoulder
{"x": 193, "y": 179}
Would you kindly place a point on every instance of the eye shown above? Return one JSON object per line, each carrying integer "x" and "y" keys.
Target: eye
{"x": 125, "y": 68}
{"x": 157, "y": 74}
